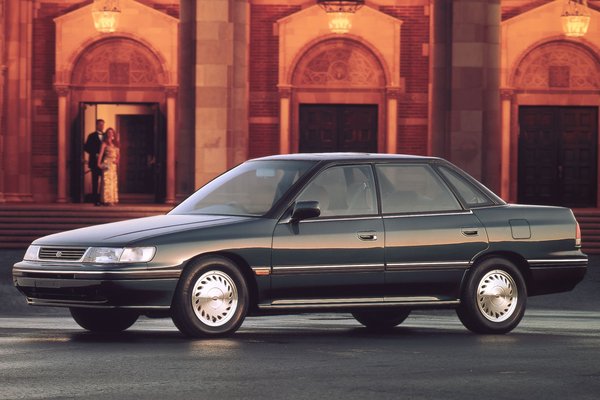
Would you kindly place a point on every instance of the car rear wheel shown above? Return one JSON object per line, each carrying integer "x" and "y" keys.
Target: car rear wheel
{"x": 494, "y": 297}
{"x": 211, "y": 299}
{"x": 381, "y": 319}
{"x": 104, "y": 320}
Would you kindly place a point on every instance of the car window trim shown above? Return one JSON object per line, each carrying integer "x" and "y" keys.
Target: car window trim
{"x": 427, "y": 214}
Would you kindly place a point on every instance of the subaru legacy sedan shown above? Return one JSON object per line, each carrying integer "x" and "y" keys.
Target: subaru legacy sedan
{"x": 372, "y": 235}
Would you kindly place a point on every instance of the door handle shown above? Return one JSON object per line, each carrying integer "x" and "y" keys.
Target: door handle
{"x": 469, "y": 231}
{"x": 368, "y": 235}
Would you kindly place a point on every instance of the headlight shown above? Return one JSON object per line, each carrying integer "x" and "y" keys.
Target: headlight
{"x": 32, "y": 253}
{"x": 137, "y": 254}
{"x": 119, "y": 255}
{"x": 103, "y": 255}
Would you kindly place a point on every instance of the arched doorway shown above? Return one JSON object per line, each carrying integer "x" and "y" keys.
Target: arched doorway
{"x": 121, "y": 81}
{"x": 338, "y": 98}
{"x": 135, "y": 67}
{"x": 556, "y": 86}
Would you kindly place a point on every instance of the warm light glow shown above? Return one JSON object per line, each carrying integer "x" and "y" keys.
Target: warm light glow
{"x": 575, "y": 18}
{"x": 340, "y": 13}
{"x": 340, "y": 22}
{"x": 106, "y": 15}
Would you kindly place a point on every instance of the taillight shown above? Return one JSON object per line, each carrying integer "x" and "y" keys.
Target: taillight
{"x": 577, "y": 235}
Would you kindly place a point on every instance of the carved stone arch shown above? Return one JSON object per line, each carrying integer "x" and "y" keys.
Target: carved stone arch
{"x": 338, "y": 63}
{"x": 558, "y": 64}
{"x": 118, "y": 61}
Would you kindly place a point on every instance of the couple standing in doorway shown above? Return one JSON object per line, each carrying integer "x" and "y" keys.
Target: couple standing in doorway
{"x": 103, "y": 149}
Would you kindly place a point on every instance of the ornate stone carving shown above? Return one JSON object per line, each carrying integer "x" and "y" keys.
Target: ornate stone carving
{"x": 339, "y": 63}
{"x": 118, "y": 62}
{"x": 558, "y": 65}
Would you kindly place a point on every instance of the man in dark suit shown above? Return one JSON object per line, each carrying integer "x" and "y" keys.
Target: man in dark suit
{"x": 92, "y": 147}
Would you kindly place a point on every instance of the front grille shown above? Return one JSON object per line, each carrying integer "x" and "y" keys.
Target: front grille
{"x": 62, "y": 253}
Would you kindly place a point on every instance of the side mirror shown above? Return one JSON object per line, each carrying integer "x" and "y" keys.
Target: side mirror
{"x": 305, "y": 210}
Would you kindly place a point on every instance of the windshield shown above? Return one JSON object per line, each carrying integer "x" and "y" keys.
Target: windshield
{"x": 250, "y": 189}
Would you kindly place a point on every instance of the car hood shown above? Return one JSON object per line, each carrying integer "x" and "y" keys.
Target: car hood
{"x": 124, "y": 232}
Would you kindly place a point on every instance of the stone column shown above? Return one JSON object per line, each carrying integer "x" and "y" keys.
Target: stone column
{"x": 3, "y": 68}
{"x": 221, "y": 93}
{"x": 285, "y": 95}
{"x": 171, "y": 94}
{"x": 392, "y": 95}
{"x": 16, "y": 140}
{"x": 507, "y": 96}
{"x": 440, "y": 62}
{"x": 61, "y": 194}
{"x": 475, "y": 139}
{"x": 186, "y": 104}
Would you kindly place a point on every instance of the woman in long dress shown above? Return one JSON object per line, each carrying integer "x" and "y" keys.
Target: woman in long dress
{"x": 108, "y": 160}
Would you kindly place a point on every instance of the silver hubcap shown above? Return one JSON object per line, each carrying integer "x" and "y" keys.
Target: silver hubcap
{"x": 214, "y": 298}
{"x": 497, "y": 296}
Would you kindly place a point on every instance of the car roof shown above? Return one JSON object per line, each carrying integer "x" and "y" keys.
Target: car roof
{"x": 346, "y": 157}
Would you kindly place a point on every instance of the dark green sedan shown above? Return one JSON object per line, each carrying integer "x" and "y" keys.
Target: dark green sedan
{"x": 373, "y": 235}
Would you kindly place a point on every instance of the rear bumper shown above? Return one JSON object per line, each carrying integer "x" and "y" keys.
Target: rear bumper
{"x": 554, "y": 276}
{"x": 60, "y": 287}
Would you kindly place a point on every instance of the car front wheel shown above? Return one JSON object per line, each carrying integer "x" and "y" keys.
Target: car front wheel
{"x": 104, "y": 320}
{"x": 494, "y": 297}
{"x": 211, "y": 299}
{"x": 381, "y": 319}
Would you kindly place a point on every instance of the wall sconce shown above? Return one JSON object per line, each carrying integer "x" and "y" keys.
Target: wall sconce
{"x": 340, "y": 13}
{"x": 575, "y": 18}
{"x": 106, "y": 15}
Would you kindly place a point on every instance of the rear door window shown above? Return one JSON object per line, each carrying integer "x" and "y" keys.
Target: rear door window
{"x": 413, "y": 188}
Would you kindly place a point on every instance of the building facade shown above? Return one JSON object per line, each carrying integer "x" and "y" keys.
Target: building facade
{"x": 196, "y": 87}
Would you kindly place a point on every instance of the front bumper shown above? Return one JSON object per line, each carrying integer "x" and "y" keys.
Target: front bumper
{"x": 77, "y": 285}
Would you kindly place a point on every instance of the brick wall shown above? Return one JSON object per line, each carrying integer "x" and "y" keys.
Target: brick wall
{"x": 412, "y": 107}
{"x": 264, "y": 64}
{"x": 414, "y": 68}
{"x": 44, "y": 122}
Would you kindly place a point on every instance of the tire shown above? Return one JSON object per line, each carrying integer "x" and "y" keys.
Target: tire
{"x": 104, "y": 320}
{"x": 494, "y": 297}
{"x": 381, "y": 319}
{"x": 221, "y": 283}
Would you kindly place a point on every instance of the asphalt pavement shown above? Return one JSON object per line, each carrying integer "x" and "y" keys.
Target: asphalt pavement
{"x": 553, "y": 354}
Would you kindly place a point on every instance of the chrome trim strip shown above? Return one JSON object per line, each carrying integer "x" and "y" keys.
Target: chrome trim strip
{"x": 413, "y": 299}
{"x": 428, "y": 265}
{"x": 438, "y": 214}
{"x": 34, "y": 301}
{"x": 326, "y": 301}
{"x": 327, "y": 219}
{"x": 305, "y": 269}
{"x": 436, "y": 303}
{"x": 559, "y": 261}
{"x": 80, "y": 272}
{"x": 37, "y": 301}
